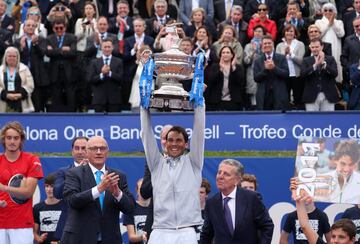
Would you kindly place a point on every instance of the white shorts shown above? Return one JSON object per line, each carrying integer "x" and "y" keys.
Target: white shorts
{"x": 17, "y": 236}
{"x": 168, "y": 236}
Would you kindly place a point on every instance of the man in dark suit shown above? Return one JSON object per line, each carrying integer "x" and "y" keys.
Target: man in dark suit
{"x": 222, "y": 9}
{"x": 6, "y": 22}
{"x": 283, "y": 8}
{"x": 160, "y": 18}
{"x": 95, "y": 194}
{"x": 93, "y": 43}
{"x": 295, "y": 18}
{"x": 61, "y": 48}
{"x": 319, "y": 72}
{"x": 351, "y": 49}
{"x": 78, "y": 151}
{"x": 122, "y": 24}
{"x": 32, "y": 50}
{"x": 132, "y": 44}
{"x": 271, "y": 72}
{"x": 106, "y": 80}
{"x": 236, "y": 21}
{"x": 107, "y": 7}
{"x": 349, "y": 17}
{"x": 235, "y": 215}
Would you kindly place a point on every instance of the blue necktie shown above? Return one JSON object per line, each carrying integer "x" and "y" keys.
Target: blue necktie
{"x": 227, "y": 214}
{"x": 98, "y": 180}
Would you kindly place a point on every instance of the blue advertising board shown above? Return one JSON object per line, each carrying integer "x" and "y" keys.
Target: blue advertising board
{"x": 273, "y": 175}
{"x": 224, "y": 131}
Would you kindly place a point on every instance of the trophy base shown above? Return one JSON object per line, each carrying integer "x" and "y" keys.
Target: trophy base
{"x": 167, "y": 102}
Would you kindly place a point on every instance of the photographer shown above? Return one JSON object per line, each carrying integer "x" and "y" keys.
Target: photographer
{"x": 85, "y": 27}
{"x": 59, "y": 11}
{"x": 167, "y": 35}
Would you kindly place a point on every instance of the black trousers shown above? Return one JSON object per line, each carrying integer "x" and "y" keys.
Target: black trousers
{"x": 63, "y": 94}
{"x": 296, "y": 84}
{"x": 112, "y": 108}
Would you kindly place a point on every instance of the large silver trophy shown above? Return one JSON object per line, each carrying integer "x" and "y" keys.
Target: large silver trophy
{"x": 171, "y": 67}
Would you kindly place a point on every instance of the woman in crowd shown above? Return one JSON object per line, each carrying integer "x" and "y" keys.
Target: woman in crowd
{"x": 167, "y": 36}
{"x": 332, "y": 30}
{"x": 198, "y": 19}
{"x": 315, "y": 7}
{"x": 35, "y": 14}
{"x": 202, "y": 42}
{"x": 251, "y": 52}
{"x": 16, "y": 84}
{"x": 85, "y": 26}
{"x": 262, "y": 19}
{"x": 225, "y": 83}
{"x": 294, "y": 51}
{"x": 228, "y": 38}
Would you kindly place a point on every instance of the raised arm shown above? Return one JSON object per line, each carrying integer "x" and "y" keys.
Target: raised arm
{"x": 152, "y": 153}
{"x": 310, "y": 234}
{"x": 197, "y": 142}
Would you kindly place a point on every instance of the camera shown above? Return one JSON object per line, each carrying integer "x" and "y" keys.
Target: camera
{"x": 60, "y": 8}
{"x": 170, "y": 29}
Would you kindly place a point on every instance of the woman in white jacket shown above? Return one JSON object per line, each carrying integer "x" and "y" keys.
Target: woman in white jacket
{"x": 332, "y": 30}
{"x": 294, "y": 51}
{"x": 16, "y": 84}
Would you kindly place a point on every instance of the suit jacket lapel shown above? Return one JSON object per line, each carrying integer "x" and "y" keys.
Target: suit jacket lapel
{"x": 90, "y": 179}
{"x": 89, "y": 176}
{"x": 240, "y": 207}
{"x": 356, "y": 39}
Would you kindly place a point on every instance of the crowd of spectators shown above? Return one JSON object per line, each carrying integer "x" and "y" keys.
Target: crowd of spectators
{"x": 57, "y": 41}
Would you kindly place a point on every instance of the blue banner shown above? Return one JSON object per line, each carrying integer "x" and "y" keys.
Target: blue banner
{"x": 224, "y": 131}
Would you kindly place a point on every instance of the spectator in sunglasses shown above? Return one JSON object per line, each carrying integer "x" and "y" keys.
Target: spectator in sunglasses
{"x": 262, "y": 19}
{"x": 35, "y": 14}
{"x": 333, "y": 31}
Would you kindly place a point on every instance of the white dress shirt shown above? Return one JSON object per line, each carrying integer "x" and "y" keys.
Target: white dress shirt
{"x": 139, "y": 40}
{"x": 95, "y": 191}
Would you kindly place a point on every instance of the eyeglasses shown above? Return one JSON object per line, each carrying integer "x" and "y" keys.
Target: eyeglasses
{"x": 262, "y": 9}
{"x": 34, "y": 13}
{"x": 59, "y": 28}
{"x": 96, "y": 149}
{"x": 328, "y": 10}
